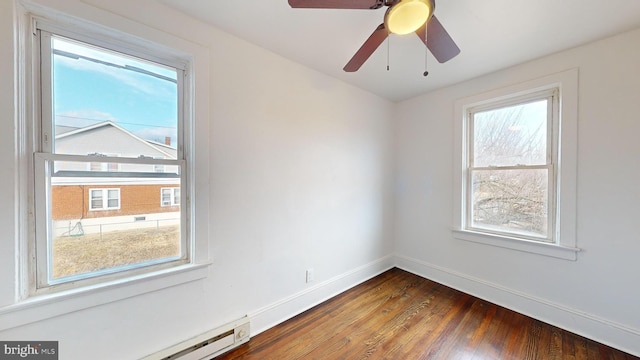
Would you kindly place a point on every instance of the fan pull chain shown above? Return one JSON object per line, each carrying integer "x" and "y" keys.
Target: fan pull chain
{"x": 388, "y": 51}
{"x": 426, "y": 55}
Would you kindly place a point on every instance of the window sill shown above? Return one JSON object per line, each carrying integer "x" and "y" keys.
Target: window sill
{"x": 41, "y": 307}
{"x": 535, "y": 247}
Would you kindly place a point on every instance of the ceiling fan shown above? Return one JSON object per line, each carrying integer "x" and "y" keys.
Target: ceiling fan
{"x": 402, "y": 17}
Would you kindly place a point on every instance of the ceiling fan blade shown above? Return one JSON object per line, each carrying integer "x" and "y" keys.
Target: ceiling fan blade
{"x": 337, "y": 4}
{"x": 438, "y": 40}
{"x": 368, "y": 48}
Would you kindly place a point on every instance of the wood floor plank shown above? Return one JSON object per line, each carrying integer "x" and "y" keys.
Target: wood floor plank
{"x": 375, "y": 326}
{"x": 320, "y": 325}
{"x": 486, "y": 343}
{"x": 399, "y": 315}
{"x": 416, "y": 333}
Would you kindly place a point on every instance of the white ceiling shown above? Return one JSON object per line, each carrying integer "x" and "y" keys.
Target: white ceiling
{"x": 491, "y": 34}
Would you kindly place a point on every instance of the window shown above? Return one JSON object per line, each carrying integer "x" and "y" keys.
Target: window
{"x": 39, "y": 293}
{"x": 104, "y": 199}
{"x": 170, "y": 196}
{"x": 511, "y": 167}
{"x": 104, "y": 108}
{"x": 515, "y": 176}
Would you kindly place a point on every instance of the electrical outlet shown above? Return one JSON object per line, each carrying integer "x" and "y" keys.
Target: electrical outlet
{"x": 310, "y": 275}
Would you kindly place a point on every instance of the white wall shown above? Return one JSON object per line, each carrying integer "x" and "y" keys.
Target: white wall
{"x": 299, "y": 177}
{"x": 597, "y": 295}
{"x": 7, "y": 146}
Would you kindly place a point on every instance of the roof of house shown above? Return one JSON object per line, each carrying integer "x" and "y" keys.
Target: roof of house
{"x": 119, "y": 139}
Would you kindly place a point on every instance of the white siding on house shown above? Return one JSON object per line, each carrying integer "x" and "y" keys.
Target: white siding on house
{"x": 109, "y": 139}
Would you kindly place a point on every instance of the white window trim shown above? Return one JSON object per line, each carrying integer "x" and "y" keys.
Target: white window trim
{"x": 105, "y": 199}
{"x": 28, "y": 308}
{"x": 565, "y": 245}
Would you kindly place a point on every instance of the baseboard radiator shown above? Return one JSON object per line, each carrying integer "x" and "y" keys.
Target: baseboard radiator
{"x": 208, "y": 345}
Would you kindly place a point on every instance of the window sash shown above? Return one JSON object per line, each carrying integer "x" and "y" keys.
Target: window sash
{"x": 504, "y": 229}
{"x": 167, "y": 197}
{"x": 44, "y": 174}
{"x": 552, "y": 124}
{"x": 96, "y": 199}
{"x": 46, "y": 31}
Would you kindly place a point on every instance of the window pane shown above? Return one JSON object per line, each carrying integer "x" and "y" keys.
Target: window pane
{"x": 114, "y": 199}
{"x": 134, "y": 229}
{"x": 96, "y": 199}
{"x": 176, "y": 196}
{"x": 105, "y": 102}
{"x": 513, "y": 135}
{"x": 510, "y": 200}
{"x": 96, "y": 203}
{"x": 166, "y": 197}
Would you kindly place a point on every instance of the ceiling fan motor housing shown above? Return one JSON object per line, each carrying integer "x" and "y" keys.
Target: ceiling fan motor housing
{"x": 407, "y": 16}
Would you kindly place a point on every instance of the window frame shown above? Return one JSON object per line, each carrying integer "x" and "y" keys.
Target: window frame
{"x": 562, "y": 242}
{"x": 551, "y": 95}
{"x": 40, "y": 281}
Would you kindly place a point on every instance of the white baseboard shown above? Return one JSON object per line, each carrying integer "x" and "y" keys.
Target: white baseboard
{"x": 592, "y": 327}
{"x": 278, "y": 312}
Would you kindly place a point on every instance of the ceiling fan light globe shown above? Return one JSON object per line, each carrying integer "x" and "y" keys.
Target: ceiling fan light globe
{"x": 407, "y": 16}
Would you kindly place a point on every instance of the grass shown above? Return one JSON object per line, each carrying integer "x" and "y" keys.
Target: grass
{"x": 89, "y": 253}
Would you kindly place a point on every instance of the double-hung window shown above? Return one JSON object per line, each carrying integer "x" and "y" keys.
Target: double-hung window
{"x": 170, "y": 196}
{"x": 100, "y": 96}
{"x": 515, "y": 151}
{"x": 104, "y": 199}
{"x": 511, "y": 166}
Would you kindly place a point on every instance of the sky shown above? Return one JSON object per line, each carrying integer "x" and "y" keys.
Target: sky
{"x": 91, "y": 86}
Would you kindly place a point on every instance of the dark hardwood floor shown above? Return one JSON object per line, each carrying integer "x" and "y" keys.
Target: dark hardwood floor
{"x": 398, "y": 315}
